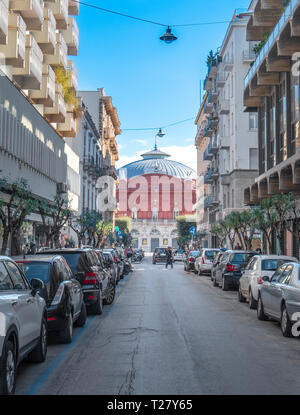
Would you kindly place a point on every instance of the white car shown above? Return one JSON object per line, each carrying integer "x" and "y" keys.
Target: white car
{"x": 179, "y": 255}
{"x": 259, "y": 266}
{"x": 23, "y": 323}
{"x": 204, "y": 262}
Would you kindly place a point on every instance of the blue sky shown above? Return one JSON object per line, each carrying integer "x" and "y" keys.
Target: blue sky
{"x": 152, "y": 83}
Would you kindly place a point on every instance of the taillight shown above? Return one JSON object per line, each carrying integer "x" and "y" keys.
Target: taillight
{"x": 259, "y": 281}
{"x": 203, "y": 262}
{"x": 231, "y": 268}
{"x": 90, "y": 278}
{"x": 58, "y": 295}
{"x": 191, "y": 259}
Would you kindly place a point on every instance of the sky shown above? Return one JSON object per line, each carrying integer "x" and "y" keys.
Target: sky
{"x": 152, "y": 84}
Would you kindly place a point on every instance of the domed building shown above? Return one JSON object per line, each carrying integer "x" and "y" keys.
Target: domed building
{"x": 153, "y": 191}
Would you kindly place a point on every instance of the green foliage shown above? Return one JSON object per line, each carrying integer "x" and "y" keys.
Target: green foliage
{"x": 13, "y": 210}
{"x": 64, "y": 78}
{"x": 184, "y": 223}
{"x": 211, "y": 59}
{"x": 258, "y": 47}
{"x": 124, "y": 223}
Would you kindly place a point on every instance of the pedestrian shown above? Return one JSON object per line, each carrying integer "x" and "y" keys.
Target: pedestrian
{"x": 238, "y": 247}
{"x": 169, "y": 258}
{"x": 259, "y": 251}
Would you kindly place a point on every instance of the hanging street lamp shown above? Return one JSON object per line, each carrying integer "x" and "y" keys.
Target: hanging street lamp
{"x": 160, "y": 134}
{"x": 168, "y": 37}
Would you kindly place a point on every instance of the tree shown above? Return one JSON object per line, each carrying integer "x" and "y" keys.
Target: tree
{"x": 219, "y": 232}
{"x": 124, "y": 224}
{"x": 13, "y": 211}
{"x": 54, "y": 217}
{"x": 184, "y": 223}
{"x": 81, "y": 224}
{"x": 211, "y": 59}
{"x": 293, "y": 222}
{"x": 103, "y": 229}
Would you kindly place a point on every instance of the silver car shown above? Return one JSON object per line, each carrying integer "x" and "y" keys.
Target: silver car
{"x": 279, "y": 297}
{"x": 204, "y": 262}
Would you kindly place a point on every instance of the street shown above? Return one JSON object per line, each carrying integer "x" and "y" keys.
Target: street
{"x": 169, "y": 332}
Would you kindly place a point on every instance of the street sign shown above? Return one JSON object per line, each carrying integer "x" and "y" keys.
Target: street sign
{"x": 193, "y": 230}
{"x": 120, "y": 233}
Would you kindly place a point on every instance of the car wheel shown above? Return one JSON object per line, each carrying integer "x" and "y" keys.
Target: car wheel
{"x": 97, "y": 308}
{"x": 224, "y": 284}
{"x": 66, "y": 335}
{"x": 38, "y": 355}
{"x": 110, "y": 296}
{"x": 8, "y": 370}
{"x": 260, "y": 310}
{"x": 285, "y": 323}
{"x": 82, "y": 317}
{"x": 241, "y": 297}
{"x": 252, "y": 301}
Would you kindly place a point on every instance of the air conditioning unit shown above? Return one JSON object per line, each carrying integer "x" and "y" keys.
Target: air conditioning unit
{"x": 62, "y": 188}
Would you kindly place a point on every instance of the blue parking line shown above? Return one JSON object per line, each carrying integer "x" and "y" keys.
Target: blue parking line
{"x": 39, "y": 383}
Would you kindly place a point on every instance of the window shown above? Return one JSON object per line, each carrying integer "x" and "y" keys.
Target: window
{"x": 134, "y": 214}
{"x": 263, "y": 128}
{"x": 155, "y": 213}
{"x": 16, "y": 276}
{"x": 278, "y": 273}
{"x": 253, "y": 121}
{"x": 283, "y": 119}
{"x": 176, "y": 213}
{"x": 285, "y": 276}
{"x": 5, "y": 281}
{"x": 294, "y": 112}
{"x": 253, "y": 158}
{"x": 250, "y": 265}
{"x": 273, "y": 141}
{"x": 39, "y": 270}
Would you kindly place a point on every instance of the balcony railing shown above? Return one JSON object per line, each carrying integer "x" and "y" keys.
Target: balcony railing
{"x": 224, "y": 107}
{"x": 213, "y": 97}
{"x": 73, "y": 8}
{"x": 46, "y": 37}
{"x": 72, "y": 71}
{"x": 14, "y": 50}
{"x": 61, "y": 51}
{"x": 221, "y": 79}
{"x": 71, "y": 36}
{"x": 3, "y": 21}
{"x": 46, "y": 95}
{"x": 31, "y": 11}
{"x": 69, "y": 127}
{"x": 60, "y": 9}
{"x": 30, "y": 77}
{"x": 208, "y": 155}
{"x": 57, "y": 113}
{"x": 288, "y": 12}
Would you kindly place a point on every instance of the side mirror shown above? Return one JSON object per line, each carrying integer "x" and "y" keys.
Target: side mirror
{"x": 79, "y": 276}
{"x": 266, "y": 279}
{"x": 37, "y": 285}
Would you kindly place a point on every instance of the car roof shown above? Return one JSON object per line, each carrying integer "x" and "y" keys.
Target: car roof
{"x": 237, "y": 251}
{"x": 278, "y": 257}
{"x": 5, "y": 258}
{"x": 64, "y": 251}
{"x": 37, "y": 258}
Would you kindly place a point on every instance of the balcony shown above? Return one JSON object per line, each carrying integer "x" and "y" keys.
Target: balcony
{"x": 72, "y": 72}
{"x": 57, "y": 113}
{"x": 46, "y": 95}
{"x": 46, "y": 37}
{"x": 224, "y": 107}
{"x": 14, "y": 50}
{"x": 208, "y": 155}
{"x": 71, "y": 36}
{"x": 208, "y": 108}
{"x": 3, "y": 21}
{"x": 208, "y": 131}
{"x": 60, "y": 9}
{"x": 224, "y": 142}
{"x": 30, "y": 77}
{"x": 69, "y": 127}
{"x": 215, "y": 174}
{"x": 213, "y": 97}
{"x": 248, "y": 56}
{"x": 207, "y": 177}
{"x": 275, "y": 55}
{"x": 60, "y": 56}
{"x": 73, "y": 8}
{"x": 214, "y": 147}
{"x": 31, "y": 12}
{"x": 214, "y": 122}
{"x": 221, "y": 79}
{"x": 228, "y": 63}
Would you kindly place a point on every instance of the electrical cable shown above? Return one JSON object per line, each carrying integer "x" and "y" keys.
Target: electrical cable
{"x": 146, "y": 20}
{"x": 157, "y": 128}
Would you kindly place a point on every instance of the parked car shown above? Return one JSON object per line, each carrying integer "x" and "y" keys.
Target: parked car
{"x": 189, "y": 261}
{"x": 279, "y": 297}
{"x": 23, "y": 323}
{"x": 215, "y": 264}
{"x": 259, "y": 266}
{"x": 229, "y": 270}
{"x": 179, "y": 255}
{"x": 110, "y": 264}
{"x": 63, "y": 293}
{"x": 98, "y": 287}
{"x": 119, "y": 261}
{"x": 159, "y": 256}
{"x": 204, "y": 262}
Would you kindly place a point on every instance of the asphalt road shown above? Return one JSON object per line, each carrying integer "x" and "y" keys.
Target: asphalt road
{"x": 169, "y": 332}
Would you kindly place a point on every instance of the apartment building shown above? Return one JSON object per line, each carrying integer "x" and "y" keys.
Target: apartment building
{"x": 271, "y": 88}
{"x": 38, "y": 104}
{"x": 106, "y": 119}
{"x": 230, "y": 133}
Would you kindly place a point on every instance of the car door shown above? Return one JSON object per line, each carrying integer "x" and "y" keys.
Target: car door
{"x": 245, "y": 279}
{"x": 281, "y": 290}
{"x": 272, "y": 292}
{"x": 74, "y": 286}
{"x": 26, "y": 305}
{"x": 221, "y": 267}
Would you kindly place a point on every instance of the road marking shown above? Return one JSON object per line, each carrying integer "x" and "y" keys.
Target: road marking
{"x": 40, "y": 382}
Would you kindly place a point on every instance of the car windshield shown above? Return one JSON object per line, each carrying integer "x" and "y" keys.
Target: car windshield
{"x": 72, "y": 260}
{"x": 161, "y": 251}
{"x": 242, "y": 258}
{"x": 272, "y": 264}
{"x": 194, "y": 253}
{"x": 180, "y": 252}
{"x": 40, "y": 270}
{"x": 211, "y": 254}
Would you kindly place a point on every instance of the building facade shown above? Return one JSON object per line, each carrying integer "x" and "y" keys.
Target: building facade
{"x": 153, "y": 192}
{"x": 271, "y": 88}
{"x": 227, "y": 136}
